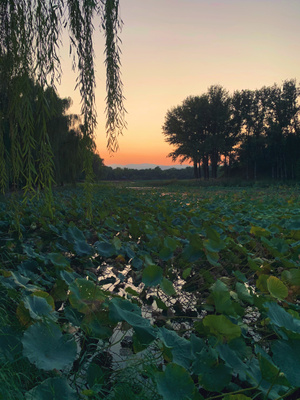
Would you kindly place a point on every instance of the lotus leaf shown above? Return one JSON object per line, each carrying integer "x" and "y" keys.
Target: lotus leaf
{"x": 46, "y": 347}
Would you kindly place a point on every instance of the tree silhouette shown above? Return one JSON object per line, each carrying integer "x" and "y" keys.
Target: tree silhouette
{"x": 256, "y": 130}
{"x": 200, "y": 130}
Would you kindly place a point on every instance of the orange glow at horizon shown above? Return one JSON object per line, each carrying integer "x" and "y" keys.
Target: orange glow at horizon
{"x": 172, "y": 49}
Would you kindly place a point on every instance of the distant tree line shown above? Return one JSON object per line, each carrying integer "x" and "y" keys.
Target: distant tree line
{"x": 109, "y": 173}
{"x": 253, "y": 133}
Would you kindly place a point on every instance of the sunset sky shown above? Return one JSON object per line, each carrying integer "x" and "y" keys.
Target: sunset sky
{"x": 176, "y": 48}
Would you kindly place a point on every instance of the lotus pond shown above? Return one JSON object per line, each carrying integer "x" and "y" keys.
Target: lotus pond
{"x": 184, "y": 294}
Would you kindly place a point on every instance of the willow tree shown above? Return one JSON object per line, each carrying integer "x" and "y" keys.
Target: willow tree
{"x": 30, "y": 36}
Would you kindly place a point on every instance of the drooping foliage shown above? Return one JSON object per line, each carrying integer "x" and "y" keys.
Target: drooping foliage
{"x": 255, "y": 131}
{"x": 67, "y": 142}
{"x": 29, "y": 52}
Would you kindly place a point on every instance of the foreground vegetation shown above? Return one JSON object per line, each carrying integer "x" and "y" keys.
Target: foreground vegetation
{"x": 165, "y": 293}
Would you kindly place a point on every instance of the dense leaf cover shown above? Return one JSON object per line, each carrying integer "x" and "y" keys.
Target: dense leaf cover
{"x": 178, "y": 295}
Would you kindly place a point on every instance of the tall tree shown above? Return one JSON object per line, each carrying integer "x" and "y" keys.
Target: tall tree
{"x": 186, "y": 128}
{"x": 200, "y": 129}
{"x": 29, "y": 42}
{"x": 282, "y": 128}
{"x": 219, "y": 128}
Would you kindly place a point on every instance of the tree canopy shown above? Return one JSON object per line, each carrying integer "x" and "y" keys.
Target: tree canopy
{"x": 253, "y": 131}
{"x": 30, "y": 36}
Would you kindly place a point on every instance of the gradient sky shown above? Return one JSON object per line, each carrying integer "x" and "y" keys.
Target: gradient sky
{"x": 172, "y": 49}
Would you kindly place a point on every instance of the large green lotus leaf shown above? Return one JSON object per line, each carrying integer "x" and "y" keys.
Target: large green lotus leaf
{"x": 215, "y": 378}
{"x": 289, "y": 263}
{"x": 243, "y": 293}
{"x": 221, "y": 298}
{"x": 110, "y": 223}
{"x": 118, "y": 307}
{"x": 58, "y": 260}
{"x": 197, "y": 344}
{"x": 117, "y": 243}
{"x": 213, "y": 246}
{"x": 194, "y": 250}
{"x": 82, "y": 248}
{"x": 167, "y": 287}
{"x": 222, "y": 327}
{"x": 294, "y": 225}
{"x": 171, "y": 243}
{"x": 239, "y": 346}
{"x": 52, "y": 389}
{"x": 23, "y": 314}
{"x": 175, "y": 383}
{"x": 95, "y": 375}
{"x": 131, "y": 291}
{"x": 46, "y": 296}
{"x": 123, "y": 310}
{"x": 137, "y": 263}
{"x": 85, "y": 296}
{"x": 46, "y": 347}
{"x": 38, "y": 307}
{"x": 212, "y": 258}
{"x": 197, "y": 222}
{"x": 252, "y": 264}
{"x": 277, "y": 288}
{"x": 207, "y": 357}
{"x": 166, "y": 253}
{"x": 98, "y": 325}
{"x": 271, "y": 248}
{"x": 17, "y": 280}
{"x": 75, "y": 233}
{"x": 160, "y": 304}
{"x": 29, "y": 269}
{"x": 258, "y": 231}
{"x": 236, "y": 397}
{"x": 180, "y": 348}
{"x": 69, "y": 277}
{"x": 269, "y": 371}
{"x": 280, "y": 245}
{"x": 105, "y": 249}
{"x": 186, "y": 272}
{"x": 270, "y": 390}
{"x": 213, "y": 243}
{"x": 233, "y": 360}
{"x": 73, "y": 316}
{"x": 292, "y": 276}
{"x": 129, "y": 251}
{"x": 282, "y": 318}
{"x": 152, "y": 275}
{"x": 261, "y": 282}
{"x": 240, "y": 276}
{"x": 286, "y": 357}
{"x": 59, "y": 290}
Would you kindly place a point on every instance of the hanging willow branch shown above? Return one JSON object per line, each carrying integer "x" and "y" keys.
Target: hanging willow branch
{"x": 30, "y": 32}
{"x": 114, "y": 101}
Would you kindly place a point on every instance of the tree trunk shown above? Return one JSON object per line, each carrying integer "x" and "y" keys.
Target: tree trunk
{"x": 205, "y": 167}
{"x": 214, "y": 163}
{"x": 199, "y": 170}
{"x": 225, "y": 166}
{"x": 196, "y": 176}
